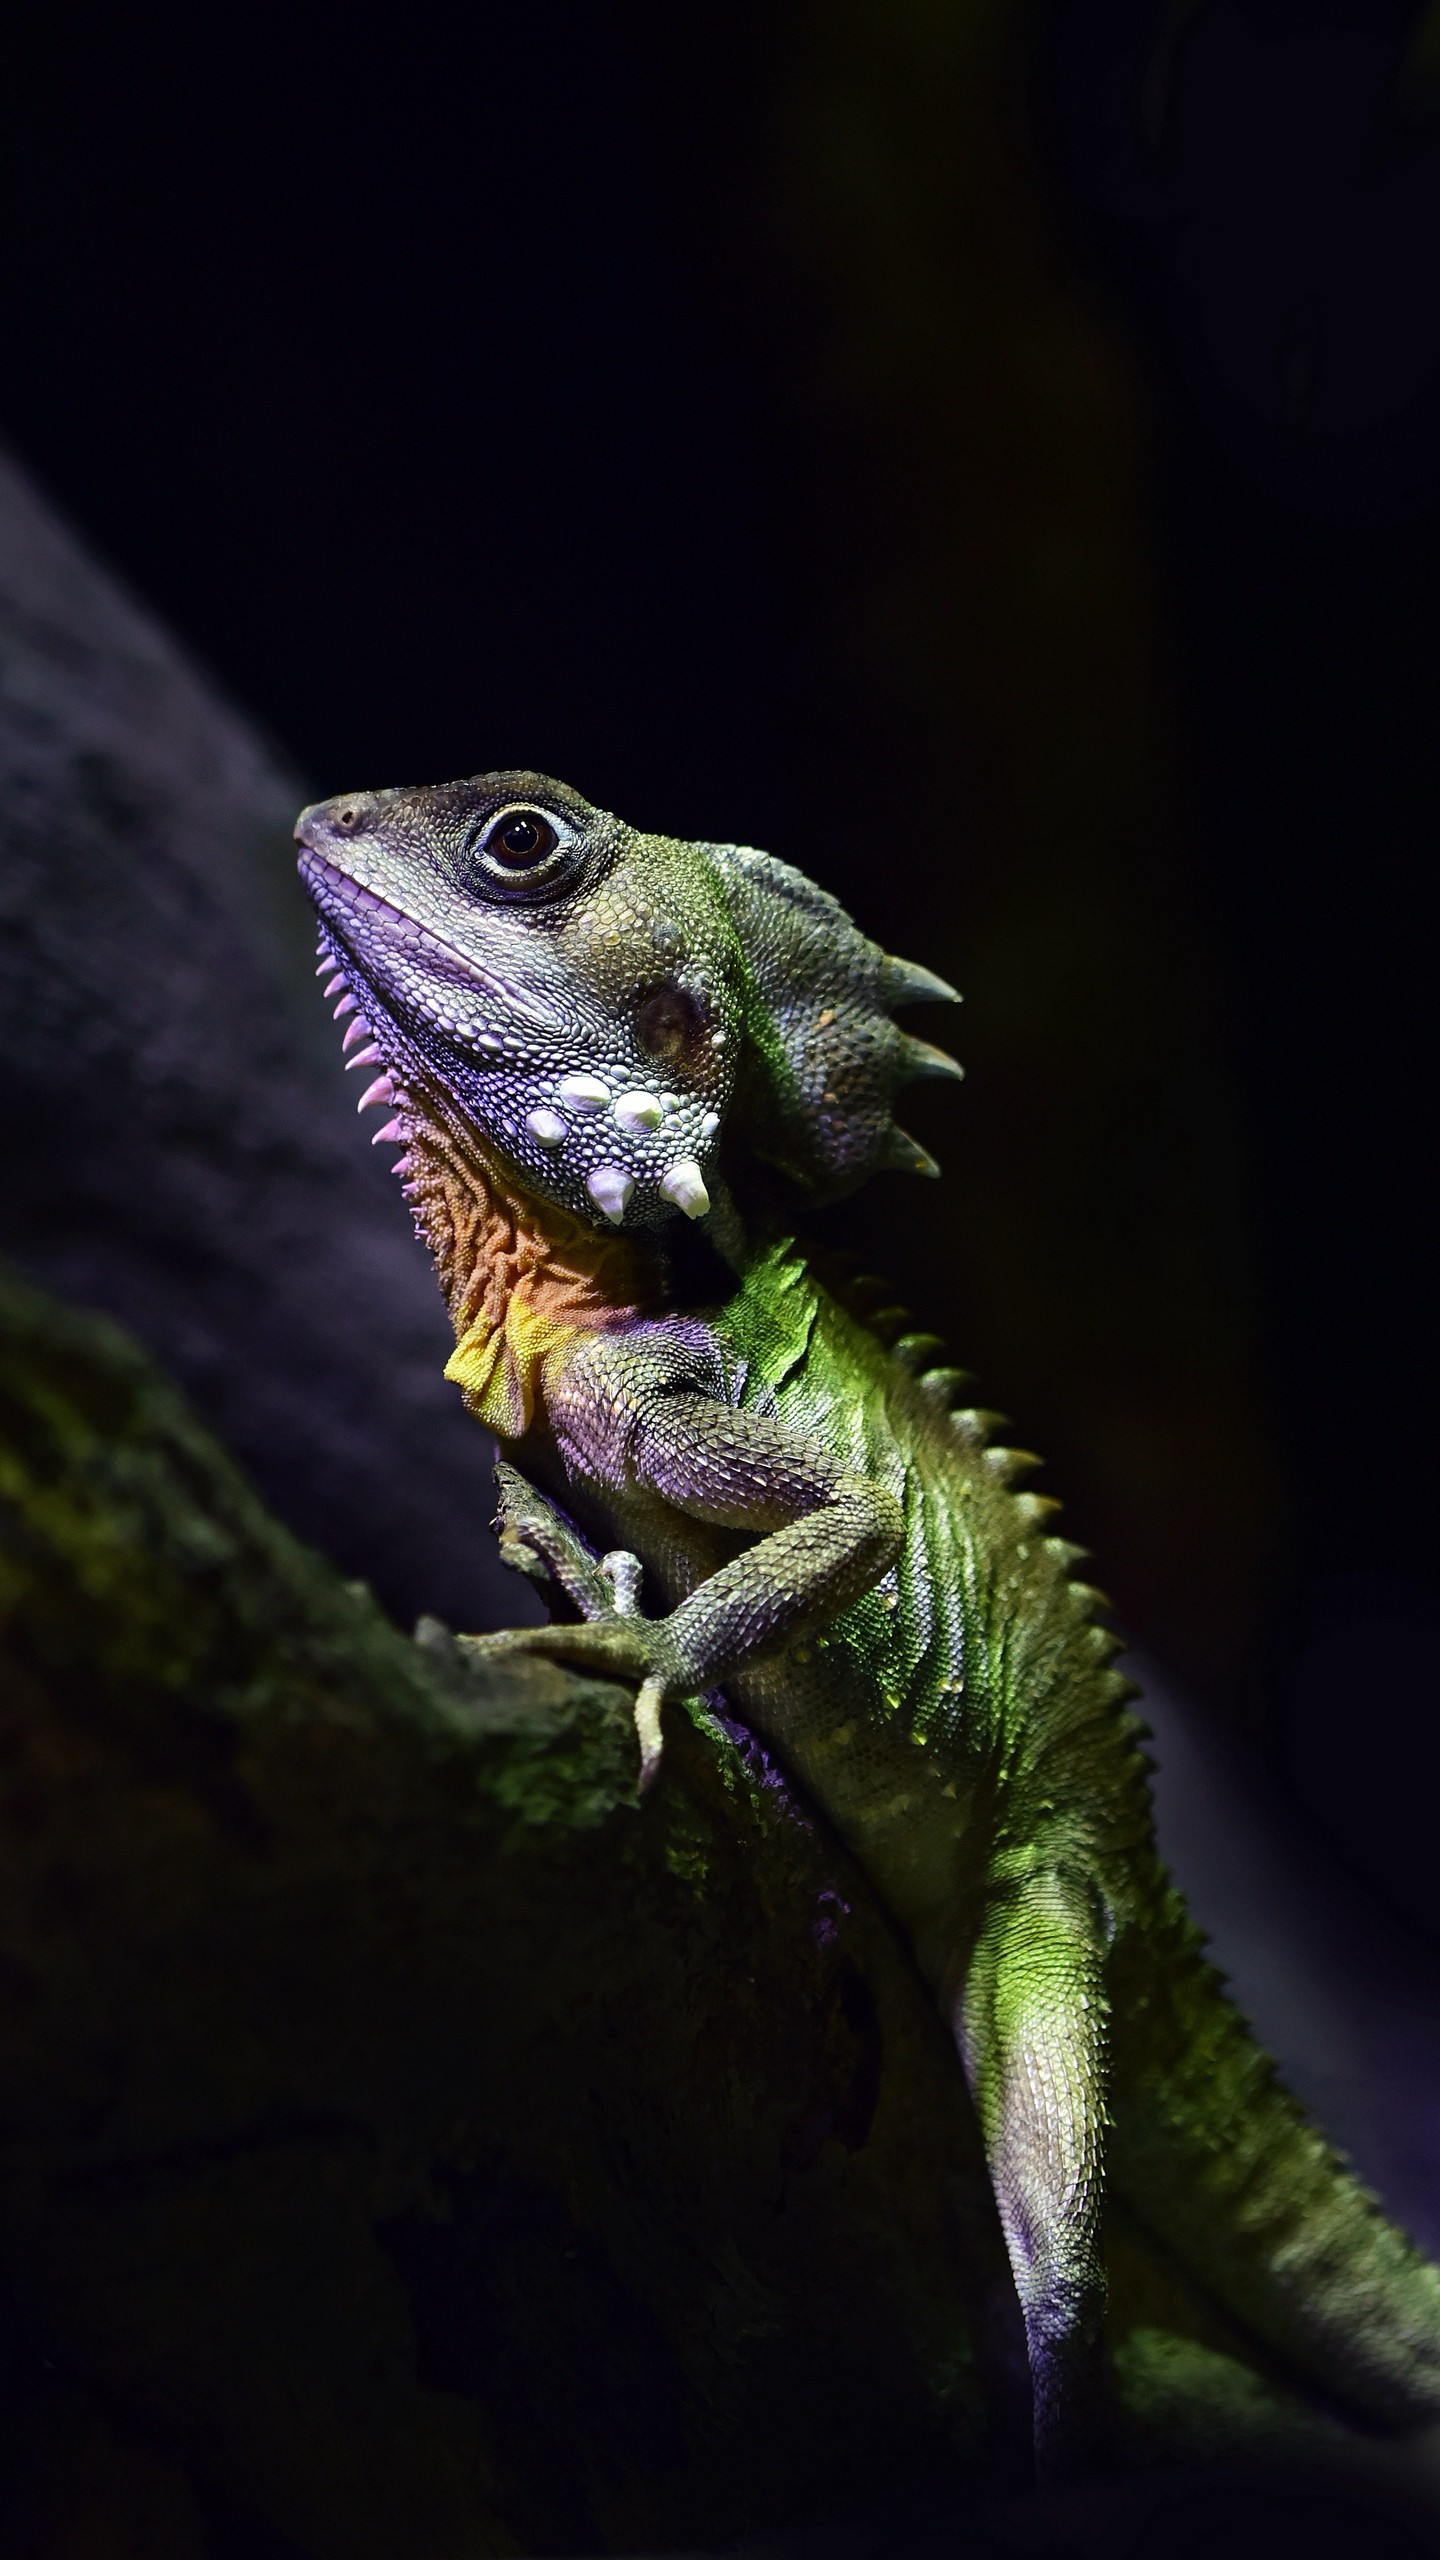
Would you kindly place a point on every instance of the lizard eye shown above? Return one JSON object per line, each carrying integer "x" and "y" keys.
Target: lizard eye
{"x": 521, "y": 854}
{"x": 520, "y": 839}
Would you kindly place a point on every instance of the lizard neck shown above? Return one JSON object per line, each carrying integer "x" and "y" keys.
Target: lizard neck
{"x": 521, "y": 1277}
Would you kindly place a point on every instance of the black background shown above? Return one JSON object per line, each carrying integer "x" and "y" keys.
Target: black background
{"x": 464, "y": 387}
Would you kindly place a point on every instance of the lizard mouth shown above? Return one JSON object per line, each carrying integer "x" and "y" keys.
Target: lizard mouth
{"x": 360, "y": 1046}
{"x": 363, "y": 914}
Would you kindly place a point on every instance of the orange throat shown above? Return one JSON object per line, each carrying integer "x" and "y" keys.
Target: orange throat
{"x": 521, "y": 1276}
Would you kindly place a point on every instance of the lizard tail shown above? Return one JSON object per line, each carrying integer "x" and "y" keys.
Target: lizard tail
{"x": 1215, "y": 2155}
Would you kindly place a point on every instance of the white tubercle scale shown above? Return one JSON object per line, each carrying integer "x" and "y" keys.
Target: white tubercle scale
{"x": 547, "y": 1128}
{"x": 638, "y": 1110}
{"x": 684, "y": 1185}
{"x": 583, "y": 1094}
{"x": 709, "y": 1124}
{"x": 610, "y": 1188}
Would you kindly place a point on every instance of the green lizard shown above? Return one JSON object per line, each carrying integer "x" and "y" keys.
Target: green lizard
{"x": 615, "y": 1065}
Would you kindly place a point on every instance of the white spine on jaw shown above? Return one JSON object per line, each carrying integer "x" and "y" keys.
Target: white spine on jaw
{"x": 610, "y": 1188}
{"x": 547, "y": 1128}
{"x": 684, "y": 1187}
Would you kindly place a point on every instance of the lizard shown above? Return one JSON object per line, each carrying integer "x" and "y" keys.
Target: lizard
{"x": 618, "y": 1067}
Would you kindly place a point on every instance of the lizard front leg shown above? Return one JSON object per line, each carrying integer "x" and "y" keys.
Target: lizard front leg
{"x": 1030, "y": 2021}
{"x": 823, "y": 1536}
{"x": 536, "y": 1541}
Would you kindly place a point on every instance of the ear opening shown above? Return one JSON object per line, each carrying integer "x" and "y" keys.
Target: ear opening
{"x": 823, "y": 1056}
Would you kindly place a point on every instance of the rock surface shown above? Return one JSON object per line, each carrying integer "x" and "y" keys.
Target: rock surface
{"x": 409, "y": 2144}
{"x": 180, "y": 1141}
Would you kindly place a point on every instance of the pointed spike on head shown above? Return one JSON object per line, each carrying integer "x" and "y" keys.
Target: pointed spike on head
{"x": 905, "y": 982}
{"x": 900, "y": 1153}
{"x": 1036, "y": 1508}
{"x": 922, "y": 1058}
{"x": 359, "y": 1029}
{"x": 382, "y": 1090}
{"x": 393, "y": 1134}
{"x": 370, "y": 1056}
{"x": 684, "y": 1185}
{"x": 610, "y": 1187}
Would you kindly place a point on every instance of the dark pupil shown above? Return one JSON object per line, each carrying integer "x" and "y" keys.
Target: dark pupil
{"x": 521, "y": 840}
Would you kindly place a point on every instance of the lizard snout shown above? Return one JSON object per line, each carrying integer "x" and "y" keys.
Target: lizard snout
{"x": 335, "y": 821}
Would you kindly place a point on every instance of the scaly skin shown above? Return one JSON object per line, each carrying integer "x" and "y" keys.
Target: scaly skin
{"x": 601, "y": 1047}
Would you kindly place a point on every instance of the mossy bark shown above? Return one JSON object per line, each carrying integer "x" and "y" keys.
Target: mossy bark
{"x": 408, "y": 2142}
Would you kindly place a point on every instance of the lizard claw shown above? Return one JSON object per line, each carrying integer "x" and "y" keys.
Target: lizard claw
{"x": 623, "y": 1572}
{"x": 647, "y": 1728}
{"x": 538, "y": 1541}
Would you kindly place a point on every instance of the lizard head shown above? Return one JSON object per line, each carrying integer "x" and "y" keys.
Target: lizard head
{"x": 601, "y": 1003}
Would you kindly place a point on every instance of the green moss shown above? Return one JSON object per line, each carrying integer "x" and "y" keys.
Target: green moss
{"x": 394, "y": 2107}
{"x": 1185, "y": 2402}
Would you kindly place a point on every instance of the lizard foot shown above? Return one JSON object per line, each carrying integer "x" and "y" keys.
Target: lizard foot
{"x": 615, "y": 1639}
{"x": 619, "y": 1646}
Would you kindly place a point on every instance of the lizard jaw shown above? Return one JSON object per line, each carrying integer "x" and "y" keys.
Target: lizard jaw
{"x": 360, "y": 1039}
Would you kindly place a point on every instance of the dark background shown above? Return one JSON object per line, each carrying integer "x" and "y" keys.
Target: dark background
{"x": 989, "y": 456}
